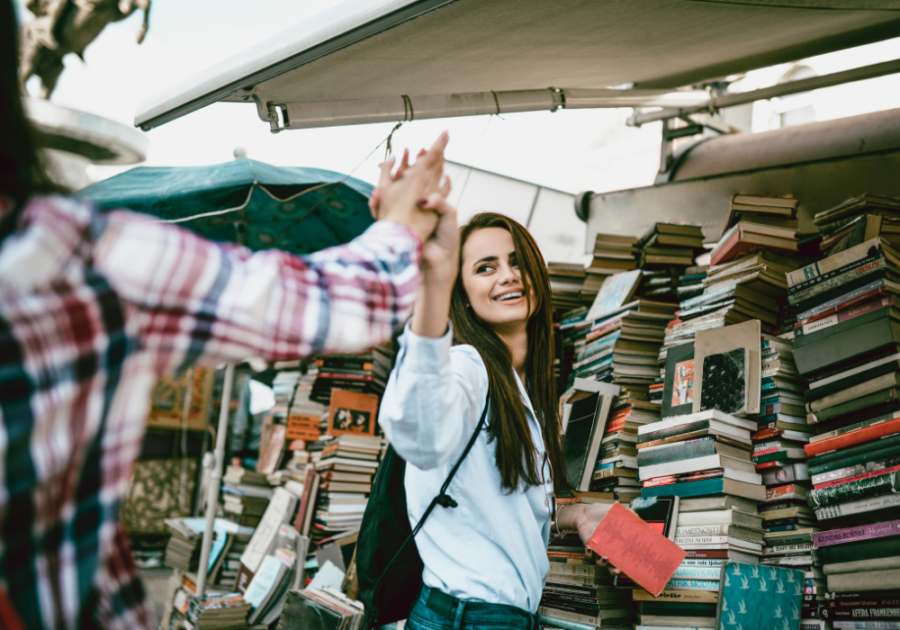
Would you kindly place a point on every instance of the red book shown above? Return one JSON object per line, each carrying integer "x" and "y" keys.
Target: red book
{"x": 866, "y": 434}
{"x": 635, "y": 547}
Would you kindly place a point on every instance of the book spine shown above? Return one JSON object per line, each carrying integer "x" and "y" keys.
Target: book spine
{"x": 866, "y": 612}
{"x": 858, "y": 507}
{"x": 698, "y": 573}
{"x": 864, "y": 291}
{"x": 833, "y": 274}
{"x": 831, "y": 263}
{"x": 869, "y": 474}
{"x": 866, "y": 434}
{"x": 700, "y": 540}
{"x": 848, "y": 472}
{"x": 700, "y": 585}
{"x": 781, "y": 475}
{"x": 855, "y": 534}
{"x": 806, "y": 331}
{"x": 701, "y": 530}
{"x": 860, "y": 404}
{"x": 868, "y": 487}
{"x": 775, "y": 549}
{"x": 686, "y": 450}
{"x": 780, "y": 491}
{"x": 853, "y": 427}
{"x": 877, "y": 264}
{"x": 861, "y": 462}
{"x": 887, "y": 442}
{"x": 702, "y": 562}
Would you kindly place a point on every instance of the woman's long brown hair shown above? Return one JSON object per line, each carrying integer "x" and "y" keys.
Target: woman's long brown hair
{"x": 516, "y": 452}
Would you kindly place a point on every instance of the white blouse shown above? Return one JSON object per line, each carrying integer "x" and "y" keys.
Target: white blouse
{"x": 493, "y": 546}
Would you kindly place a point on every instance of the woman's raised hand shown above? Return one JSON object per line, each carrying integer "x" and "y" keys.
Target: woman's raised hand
{"x": 404, "y": 195}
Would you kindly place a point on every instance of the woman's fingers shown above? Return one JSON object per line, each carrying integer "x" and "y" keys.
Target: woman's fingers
{"x": 374, "y": 200}
{"x": 385, "y": 178}
{"x": 404, "y": 164}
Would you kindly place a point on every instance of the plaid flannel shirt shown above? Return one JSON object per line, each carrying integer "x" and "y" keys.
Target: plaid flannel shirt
{"x": 93, "y": 308}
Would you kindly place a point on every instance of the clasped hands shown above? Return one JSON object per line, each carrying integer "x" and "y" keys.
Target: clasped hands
{"x": 416, "y": 196}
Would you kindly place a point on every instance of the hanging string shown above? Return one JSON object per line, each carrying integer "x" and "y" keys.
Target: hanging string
{"x": 388, "y": 149}
{"x": 337, "y": 186}
{"x": 472, "y": 164}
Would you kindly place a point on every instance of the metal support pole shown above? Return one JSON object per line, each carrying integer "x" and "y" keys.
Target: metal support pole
{"x": 782, "y": 89}
{"x": 214, "y": 464}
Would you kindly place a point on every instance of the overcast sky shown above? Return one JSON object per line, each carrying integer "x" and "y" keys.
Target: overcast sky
{"x": 188, "y": 36}
{"x": 567, "y": 150}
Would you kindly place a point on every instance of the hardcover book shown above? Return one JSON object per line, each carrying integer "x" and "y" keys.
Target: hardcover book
{"x": 352, "y": 412}
{"x": 745, "y": 335}
{"x": 725, "y": 381}
{"x": 635, "y": 547}
{"x": 678, "y": 391}
{"x": 753, "y": 596}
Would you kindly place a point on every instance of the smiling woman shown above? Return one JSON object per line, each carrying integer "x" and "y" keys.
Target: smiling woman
{"x": 485, "y": 561}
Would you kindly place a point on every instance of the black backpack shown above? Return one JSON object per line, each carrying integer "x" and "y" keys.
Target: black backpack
{"x": 388, "y": 565}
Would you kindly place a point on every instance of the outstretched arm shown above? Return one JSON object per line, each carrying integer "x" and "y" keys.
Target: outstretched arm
{"x": 193, "y": 300}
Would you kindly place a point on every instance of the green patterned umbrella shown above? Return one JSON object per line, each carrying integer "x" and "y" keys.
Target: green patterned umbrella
{"x": 300, "y": 210}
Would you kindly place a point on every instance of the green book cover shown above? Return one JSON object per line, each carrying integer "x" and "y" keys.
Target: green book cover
{"x": 753, "y": 596}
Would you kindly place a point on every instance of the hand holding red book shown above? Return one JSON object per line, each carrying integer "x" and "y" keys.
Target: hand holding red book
{"x": 635, "y": 547}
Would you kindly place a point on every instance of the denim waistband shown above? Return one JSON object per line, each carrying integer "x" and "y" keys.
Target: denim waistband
{"x": 454, "y": 609}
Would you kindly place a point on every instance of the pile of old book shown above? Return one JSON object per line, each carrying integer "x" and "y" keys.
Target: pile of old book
{"x": 245, "y": 494}
{"x": 701, "y": 452}
{"x": 344, "y": 474}
{"x": 666, "y": 259}
{"x": 579, "y": 594}
{"x": 846, "y": 348}
{"x": 758, "y": 223}
{"x": 859, "y": 219}
{"x": 346, "y": 372}
{"x": 620, "y": 341}
{"x": 566, "y": 284}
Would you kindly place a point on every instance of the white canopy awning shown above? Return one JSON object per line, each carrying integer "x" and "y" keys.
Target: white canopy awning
{"x": 387, "y": 60}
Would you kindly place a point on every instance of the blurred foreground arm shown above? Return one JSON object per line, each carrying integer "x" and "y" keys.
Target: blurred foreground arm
{"x": 194, "y": 300}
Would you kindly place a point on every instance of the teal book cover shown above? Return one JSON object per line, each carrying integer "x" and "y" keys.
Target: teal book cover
{"x": 756, "y": 597}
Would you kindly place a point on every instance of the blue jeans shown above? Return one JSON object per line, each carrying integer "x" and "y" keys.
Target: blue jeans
{"x": 435, "y": 610}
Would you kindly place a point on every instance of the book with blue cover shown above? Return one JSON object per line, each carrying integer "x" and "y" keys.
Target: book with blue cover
{"x": 753, "y": 596}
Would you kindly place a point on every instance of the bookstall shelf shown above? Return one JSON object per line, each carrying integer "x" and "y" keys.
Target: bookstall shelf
{"x": 772, "y": 418}
{"x": 285, "y": 523}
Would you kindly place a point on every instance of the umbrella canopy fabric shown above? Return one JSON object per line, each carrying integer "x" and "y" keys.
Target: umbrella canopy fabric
{"x": 301, "y": 210}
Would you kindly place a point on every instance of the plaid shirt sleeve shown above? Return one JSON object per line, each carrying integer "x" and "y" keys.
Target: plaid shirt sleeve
{"x": 199, "y": 301}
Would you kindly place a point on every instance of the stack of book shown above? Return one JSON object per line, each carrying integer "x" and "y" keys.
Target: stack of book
{"x": 849, "y": 554}
{"x": 220, "y": 612}
{"x": 846, "y": 347}
{"x": 704, "y": 459}
{"x": 345, "y": 472}
{"x": 348, "y": 372}
{"x": 183, "y": 547}
{"x": 779, "y": 455}
{"x": 245, "y": 495}
{"x": 623, "y": 345}
{"x": 320, "y": 608}
{"x": 616, "y": 469}
{"x": 750, "y": 287}
{"x": 579, "y": 594}
{"x": 613, "y": 254}
{"x": 758, "y": 223}
{"x": 566, "y": 281}
{"x": 667, "y": 246}
{"x": 861, "y": 219}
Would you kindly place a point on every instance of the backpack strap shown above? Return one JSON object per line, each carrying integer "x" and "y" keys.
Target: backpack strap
{"x": 443, "y": 499}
